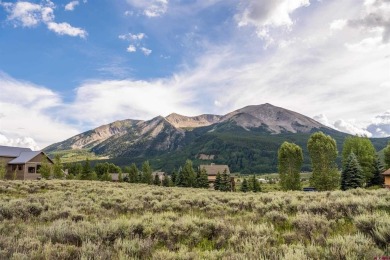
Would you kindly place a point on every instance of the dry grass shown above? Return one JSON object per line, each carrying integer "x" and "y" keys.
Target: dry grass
{"x": 103, "y": 220}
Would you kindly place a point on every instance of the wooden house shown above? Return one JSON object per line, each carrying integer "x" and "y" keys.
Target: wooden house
{"x": 213, "y": 169}
{"x": 386, "y": 174}
{"x": 22, "y": 163}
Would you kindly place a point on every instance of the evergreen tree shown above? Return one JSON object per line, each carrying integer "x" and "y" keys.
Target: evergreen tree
{"x": 87, "y": 170}
{"x": 378, "y": 178}
{"x": 255, "y": 184}
{"x": 147, "y": 173}
{"x": 365, "y": 154}
{"x": 203, "y": 181}
{"x": 57, "y": 168}
{"x": 323, "y": 153}
{"x": 187, "y": 178}
{"x": 174, "y": 177}
{"x": 179, "y": 177}
{"x": 166, "y": 182}
{"x": 386, "y": 153}
{"x": 218, "y": 181}
{"x": 45, "y": 170}
{"x": 225, "y": 182}
{"x": 290, "y": 159}
{"x": 156, "y": 180}
{"x": 352, "y": 176}
{"x": 133, "y": 174}
{"x": 244, "y": 186}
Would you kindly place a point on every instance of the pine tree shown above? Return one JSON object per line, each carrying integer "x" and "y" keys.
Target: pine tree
{"x": 187, "y": 175}
{"x": 174, "y": 177}
{"x": 377, "y": 178}
{"x": 45, "y": 170}
{"x": 147, "y": 173}
{"x": 156, "y": 180}
{"x": 290, "y": 159}
{"x": 225, "y": 182}
{"x": 166, "y": 182}
{"x": 217, "y": 182}
{"x": 244, "y": 186}
{"x": 87, "y": 170}
{"x": 203, "y": 181}
{"x": 352, "y": 176}
{"x": 255, "y": 184}
{"x": 57, "y": 168}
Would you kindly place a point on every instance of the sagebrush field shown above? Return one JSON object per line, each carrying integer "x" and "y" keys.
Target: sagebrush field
{"x": 103, "y": 220}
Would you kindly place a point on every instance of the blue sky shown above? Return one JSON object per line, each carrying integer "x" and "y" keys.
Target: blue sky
{"x": 69, "y": 66}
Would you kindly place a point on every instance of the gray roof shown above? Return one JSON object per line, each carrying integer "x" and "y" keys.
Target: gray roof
{"x": 24, "y": 157}
{"x": 8, "y": 151}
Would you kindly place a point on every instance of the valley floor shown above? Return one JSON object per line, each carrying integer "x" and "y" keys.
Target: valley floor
{"x": 104, "y": 220}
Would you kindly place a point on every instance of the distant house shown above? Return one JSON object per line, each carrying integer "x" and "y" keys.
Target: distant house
{"x": 387, "y": 178}
{"x": 213, "y": 169}
{"x": 161, "y": 175}
{"x": 22, "y": 163}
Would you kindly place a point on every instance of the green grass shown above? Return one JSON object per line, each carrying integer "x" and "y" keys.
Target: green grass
{"x": 103, "y": 220}
{"x": 69, "y": 156}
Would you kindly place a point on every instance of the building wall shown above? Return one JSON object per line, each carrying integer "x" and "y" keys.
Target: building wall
{"x": 387, "y": 181}
{"x": 15, "y": 171}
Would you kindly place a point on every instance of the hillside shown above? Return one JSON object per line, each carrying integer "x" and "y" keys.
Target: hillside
{"x": 246, "y": 139}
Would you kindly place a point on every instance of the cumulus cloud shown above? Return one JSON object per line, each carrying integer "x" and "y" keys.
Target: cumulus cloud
{"x": 27, "y": 114}
{"x": 350, "y": 128}
{"x": 66, "y": 29}
{"x": 151, "y": 8}
{"x": 27, "y": 142}
{"x": 27, "y": 14}
{"x": 375, "y": 18}
{"x": 146, "y": 51}
{"x": 132, "y": 37}
{"x": 131, "y": 48}
{"x": 380, "y": 125}
{"x": 267, "y": 15}
{"x": 338, "y": 24}
{"x": 71, "y": 5}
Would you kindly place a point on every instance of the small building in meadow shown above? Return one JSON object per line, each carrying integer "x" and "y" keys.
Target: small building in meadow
{"x": 213, "y": 169}
{"x": 386, "y": 174}
{"x": 22, "y": 163}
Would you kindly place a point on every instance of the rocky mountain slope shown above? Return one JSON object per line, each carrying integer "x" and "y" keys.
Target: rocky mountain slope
{"x": 246, "y": 139}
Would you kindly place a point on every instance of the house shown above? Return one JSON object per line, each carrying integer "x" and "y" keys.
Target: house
{"x": 160, "y": 174}
{"x": 22, "y": 163}
{"x": 213, "y": 169}
{"x": 387, "y": 178}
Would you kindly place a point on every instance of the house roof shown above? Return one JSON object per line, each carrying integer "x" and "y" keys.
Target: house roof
{"x": 24, "y": 157}
{"x": 386, "y": 172}
{"x": 9, "y": 151}
{"x": 213, "y": 169}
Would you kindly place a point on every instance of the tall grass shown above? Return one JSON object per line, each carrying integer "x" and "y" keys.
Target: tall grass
{"x": 104, "y": 220}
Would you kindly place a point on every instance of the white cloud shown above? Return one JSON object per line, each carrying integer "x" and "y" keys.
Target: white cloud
{"x": 350, "y": 128}
{"x": 131, "y": 48}
{"x": 268, "y": 15}
{"x": 29, "y": 114}
{"x": 146, "y": 51}
{"x": 66, "y": 29}
{"x": 27, "y": 142}
{"x": 338, "y": 24}
{"x": 132, "y": 37}
{"x": 71, "y": 5}
{"x": 380, "y": 125}
{"x": 28, "y": 14}
{"x": 151, "y": 8}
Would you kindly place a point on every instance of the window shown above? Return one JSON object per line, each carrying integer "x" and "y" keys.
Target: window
{"x": 31, "y": 169}
{"x": 38, "y": 167}
{"x": 20, "y": 167}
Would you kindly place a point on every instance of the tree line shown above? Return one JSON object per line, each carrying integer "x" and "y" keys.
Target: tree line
{"x": 361, "y": 165}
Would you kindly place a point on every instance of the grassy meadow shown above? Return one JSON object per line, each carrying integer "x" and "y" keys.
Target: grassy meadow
{"x": 103, "y": 220}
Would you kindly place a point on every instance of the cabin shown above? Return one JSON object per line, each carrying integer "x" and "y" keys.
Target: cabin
{"x": 386, "y": 174}
{"x": 213, "y": 169}
{"x": 22, "y": 163}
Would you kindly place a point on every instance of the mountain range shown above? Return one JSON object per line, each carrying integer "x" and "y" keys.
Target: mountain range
{"x": 246, "y": 139}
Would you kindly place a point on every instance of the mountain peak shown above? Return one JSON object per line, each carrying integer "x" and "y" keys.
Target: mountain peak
{"x": 180, "y": 121}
